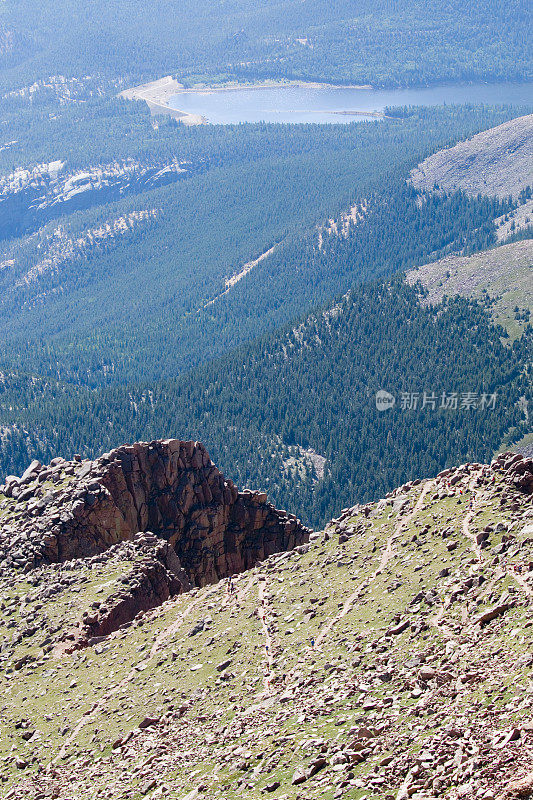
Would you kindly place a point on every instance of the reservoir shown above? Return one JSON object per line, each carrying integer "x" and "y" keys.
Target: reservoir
{"x": 335, "y": 104}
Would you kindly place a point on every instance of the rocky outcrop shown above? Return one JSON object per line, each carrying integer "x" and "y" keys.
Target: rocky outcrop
{"x": 518, "y": 470}
{"x": 77, "y": 509}
{"x": 153, "y": 579}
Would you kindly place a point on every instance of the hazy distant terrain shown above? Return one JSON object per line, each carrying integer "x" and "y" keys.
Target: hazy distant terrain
{"x": 405, "y": 43}
{"x": 497, "y": 162}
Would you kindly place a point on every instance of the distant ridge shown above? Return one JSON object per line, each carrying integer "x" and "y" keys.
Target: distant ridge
{"x": 496, "y": 162}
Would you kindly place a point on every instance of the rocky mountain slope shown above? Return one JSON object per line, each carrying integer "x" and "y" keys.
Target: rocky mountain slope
{"x": 387, "y": 657}
{"x": 505, "y": 274}
{"x": 494, "y": 162}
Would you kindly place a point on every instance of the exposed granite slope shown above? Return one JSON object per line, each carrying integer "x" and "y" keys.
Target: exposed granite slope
{"x": 494, "y": 162}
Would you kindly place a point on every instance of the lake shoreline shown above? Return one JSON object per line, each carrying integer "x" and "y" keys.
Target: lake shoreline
{"x": 212, "y": 104}
{"x": 237, "y": 87}
{"x": 158, "y": 94}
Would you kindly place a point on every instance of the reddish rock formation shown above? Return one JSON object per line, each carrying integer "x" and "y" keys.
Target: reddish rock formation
{"x": 168, "y": 487}
{"x": 155, "y": 578}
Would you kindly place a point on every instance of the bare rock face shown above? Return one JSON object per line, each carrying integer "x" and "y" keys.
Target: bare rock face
{"x": 494, "y": 162}
{"x": 169, "y": 487}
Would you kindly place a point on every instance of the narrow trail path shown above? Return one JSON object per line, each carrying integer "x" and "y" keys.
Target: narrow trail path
{"x": 389, "y": 549}
{"x": 477, "y": 548}
{"x": 402, "y": 792}
{"x": 437, "y": 622}
{"x": 345, "y": 609}
{"x": 241, "y": 594}
{"x": 235, "y": 598}
{"x": 165, "y": 634}
{"x": 102, "y": 703}
{"x": 269, "y": 640}
{"x": 467, "y": 521}
{"x": 171, "y": 629}
{"x": 159, "y": 642}
{"x": 385, "y": 558}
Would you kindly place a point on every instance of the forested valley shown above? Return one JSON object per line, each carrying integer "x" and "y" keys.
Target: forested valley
{"x": 80, "y": 303}
{"x": 311, "y": 387}
{"x": 122, "y": 318}
{"x": 384, "y": 44}
{"x": 284, "y": 400}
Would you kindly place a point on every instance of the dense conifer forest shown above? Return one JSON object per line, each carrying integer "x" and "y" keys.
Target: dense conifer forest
{"x": 117, "y": 322}
{"x": 96, "y": 313}
{"x": 284, "y": 400}
{"x": 312, "y": 386}
{"x": 386, "y": 44}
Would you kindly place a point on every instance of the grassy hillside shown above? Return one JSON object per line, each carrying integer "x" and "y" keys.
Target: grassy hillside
{"x": 503, "y": 274}
{"x": 390, "y": 656}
